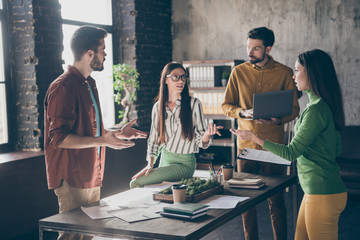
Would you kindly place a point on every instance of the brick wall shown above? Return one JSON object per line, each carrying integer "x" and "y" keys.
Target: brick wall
{"x": 145, "y": 41}
{"x": 23, "y": 101}
{"x": 48, "y": 50}
{"x": 36, "y": 46}
{"x": 142, "y": 37}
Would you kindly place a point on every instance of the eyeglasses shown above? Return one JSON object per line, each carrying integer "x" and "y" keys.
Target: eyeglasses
{"x": 176, "y": 77}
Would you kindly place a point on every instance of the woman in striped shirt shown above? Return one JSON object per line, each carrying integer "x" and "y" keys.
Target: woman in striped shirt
{"x": 177, "y": 131}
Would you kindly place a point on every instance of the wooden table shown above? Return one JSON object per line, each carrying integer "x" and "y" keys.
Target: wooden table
{"x": 75, "y": 221}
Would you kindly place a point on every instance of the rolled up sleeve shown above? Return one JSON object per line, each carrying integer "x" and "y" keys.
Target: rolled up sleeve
{"x": 61, "y": 114}
{"x": 200, "y": 125}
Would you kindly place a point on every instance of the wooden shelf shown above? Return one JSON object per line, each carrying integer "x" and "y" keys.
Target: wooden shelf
{"x": 206, "y": 85}
{"x": 217, "y": 116}
{"x": 205, "y": 166}
{"x": 208, "y": 89}
{"x": 225, "y": 142}
{"x": 225, "y": 62}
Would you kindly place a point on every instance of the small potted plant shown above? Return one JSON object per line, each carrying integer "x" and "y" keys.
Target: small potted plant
{"x": 125, "y": 83}
{"x": 224, "y": 78}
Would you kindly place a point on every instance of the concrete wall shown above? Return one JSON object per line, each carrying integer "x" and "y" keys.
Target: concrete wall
{"x": 216, "y": 29}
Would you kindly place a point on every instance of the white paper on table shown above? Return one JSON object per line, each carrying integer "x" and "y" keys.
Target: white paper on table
{"x": 160, "y": 186}
{"x": 223, "y": 201}
{"x": 158, "y": 207}
{"x": 134, "y": 214}
{"x": 204, "y": 174}
{"x": 129, "y": 196}
{"x": 97, "y": 212}
{"x": 136, "y": 198}
{"x": 262, "y": 156}
{"x": 141, "y": 203}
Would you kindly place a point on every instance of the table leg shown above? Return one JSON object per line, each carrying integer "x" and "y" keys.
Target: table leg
{"x": 41, "y": 233}
{"x": 295, "y": 203}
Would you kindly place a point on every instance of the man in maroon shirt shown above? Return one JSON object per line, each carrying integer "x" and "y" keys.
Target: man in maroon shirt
{"x": 75, "y": 138}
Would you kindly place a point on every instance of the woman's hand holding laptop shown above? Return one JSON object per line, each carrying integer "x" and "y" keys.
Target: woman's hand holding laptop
{"x": 248, "y": 114}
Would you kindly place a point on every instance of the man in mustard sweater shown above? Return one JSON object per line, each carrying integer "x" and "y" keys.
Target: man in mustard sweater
{"x": 260, "y": 74}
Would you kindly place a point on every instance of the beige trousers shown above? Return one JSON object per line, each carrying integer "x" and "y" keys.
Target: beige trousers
{"x": 70, "y": 198}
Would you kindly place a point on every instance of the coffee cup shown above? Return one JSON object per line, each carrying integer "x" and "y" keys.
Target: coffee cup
{"x": 179, "y": 192}
{"x": 227, "y": 170}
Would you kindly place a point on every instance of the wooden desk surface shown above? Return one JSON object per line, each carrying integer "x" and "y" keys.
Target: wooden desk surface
{"x": 76, "y": 221}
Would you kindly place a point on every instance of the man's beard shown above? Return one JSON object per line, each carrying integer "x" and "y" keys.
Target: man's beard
{"x": 257, "y": 60}
{"x": 96, "y": 64}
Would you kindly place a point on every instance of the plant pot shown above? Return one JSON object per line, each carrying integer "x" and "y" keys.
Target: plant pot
{"x": 223, "y": 82}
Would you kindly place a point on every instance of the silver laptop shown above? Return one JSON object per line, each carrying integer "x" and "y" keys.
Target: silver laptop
{"x": 273, "y": 104}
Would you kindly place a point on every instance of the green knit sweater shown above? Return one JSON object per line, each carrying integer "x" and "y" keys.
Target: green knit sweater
{"x": 315, "y": 146}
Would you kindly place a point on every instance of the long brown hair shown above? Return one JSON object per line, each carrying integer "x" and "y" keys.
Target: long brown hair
{"x": 323, "y": 82}
{"x": 185, "y": 109}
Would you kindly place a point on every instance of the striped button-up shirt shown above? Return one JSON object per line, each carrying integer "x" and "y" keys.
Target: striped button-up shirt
{"x": 174, "y": 142}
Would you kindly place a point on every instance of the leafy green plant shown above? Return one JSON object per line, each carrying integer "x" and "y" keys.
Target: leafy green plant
{"x": 194, "y": 186}
{"x": 125, "y": 83}
{"x": 225, "y": 75}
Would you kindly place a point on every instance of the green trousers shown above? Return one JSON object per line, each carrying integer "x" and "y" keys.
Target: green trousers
{"x": 172, "y": 167}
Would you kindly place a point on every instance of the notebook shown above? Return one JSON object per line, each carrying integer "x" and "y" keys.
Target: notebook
{"x": 182, "y": 216}
{"x": 273, "y": 104}
{"x": 186, "y": 208}
{"x": 245, "y": 183}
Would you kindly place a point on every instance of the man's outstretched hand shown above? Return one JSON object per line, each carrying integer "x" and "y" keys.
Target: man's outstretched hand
{"x": 111, "y": 140}
{"x": 127, "y": 132}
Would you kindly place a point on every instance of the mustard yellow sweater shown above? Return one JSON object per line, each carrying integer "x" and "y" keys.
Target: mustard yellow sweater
{"x": 247, "y": 79}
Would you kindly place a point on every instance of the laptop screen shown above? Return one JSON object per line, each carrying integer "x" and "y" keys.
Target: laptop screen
{"x": 273, "y": 104}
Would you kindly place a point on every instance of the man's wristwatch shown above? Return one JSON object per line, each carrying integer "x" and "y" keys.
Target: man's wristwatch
{"x": 240, "y": 115}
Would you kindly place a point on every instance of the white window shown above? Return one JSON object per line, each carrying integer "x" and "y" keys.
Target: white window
{"x": 4, "y": 136}
{"x": 96, "y": 13}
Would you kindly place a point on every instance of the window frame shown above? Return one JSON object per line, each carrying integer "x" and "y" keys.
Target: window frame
{"x": 109, "y": 29}
{"x": 6, "y": 147}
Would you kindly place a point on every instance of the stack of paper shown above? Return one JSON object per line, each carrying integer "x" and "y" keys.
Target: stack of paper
{"x": 185, "y": 210}
{"x": 245, "y": 183}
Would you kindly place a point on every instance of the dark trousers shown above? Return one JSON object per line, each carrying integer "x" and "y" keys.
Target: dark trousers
{"x": 276, "y": 202}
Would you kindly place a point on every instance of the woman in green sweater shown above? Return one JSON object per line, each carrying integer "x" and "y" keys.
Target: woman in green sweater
{"x": 315, "y": 146}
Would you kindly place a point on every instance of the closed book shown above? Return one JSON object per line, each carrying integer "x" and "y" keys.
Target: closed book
{"x": 257, "y": 186}
{"x": 186, "y": 208}
{"x": 244, "y": 181}
{"x": 182, "y": 216}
